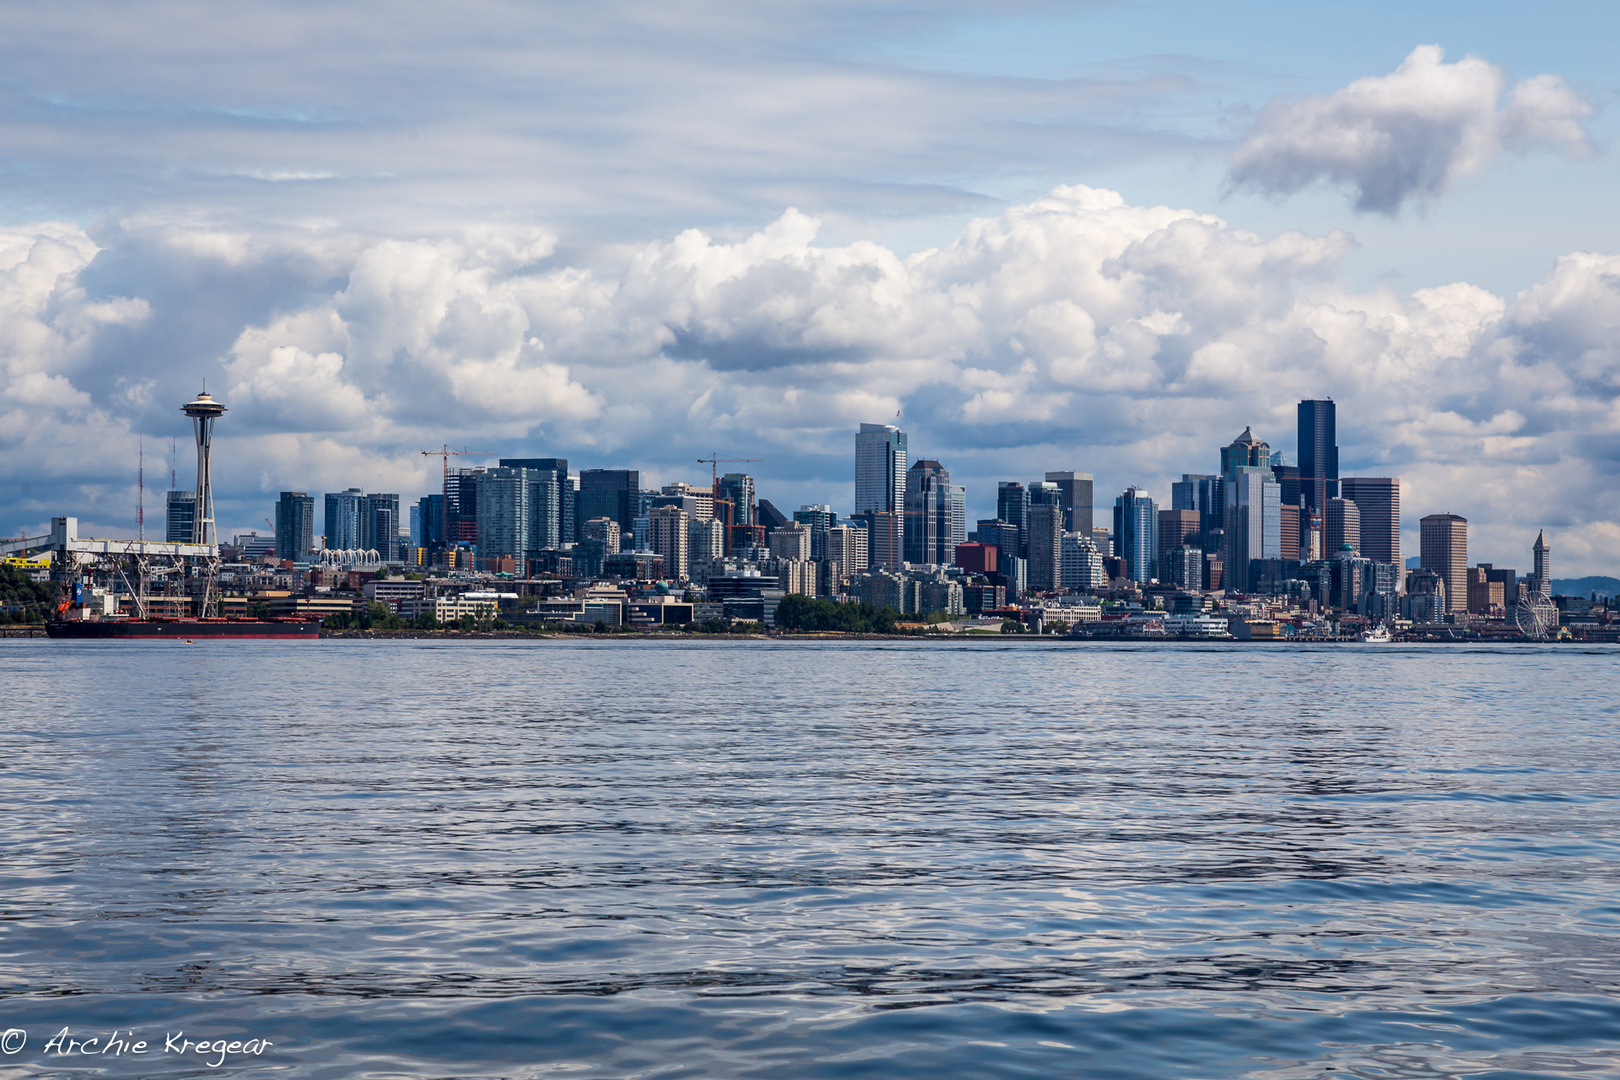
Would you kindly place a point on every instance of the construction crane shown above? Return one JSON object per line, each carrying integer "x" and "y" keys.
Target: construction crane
{"x": 714, "y": 462}
{"x": 447, "y": 453}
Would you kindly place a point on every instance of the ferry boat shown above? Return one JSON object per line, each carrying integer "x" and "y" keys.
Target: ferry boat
{"x": 1378, "y": 635}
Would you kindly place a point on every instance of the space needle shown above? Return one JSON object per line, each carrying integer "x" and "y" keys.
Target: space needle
{"x": 203, "y": 411}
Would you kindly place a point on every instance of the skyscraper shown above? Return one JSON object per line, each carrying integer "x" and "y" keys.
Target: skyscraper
{"x": 609, "y": 493}
{"x": 1318, "y": 454}
{"x": 1012, "y": 506}
{"x": 880, "y": 468}
{"x": 1342, "y": 524}
{"x": 1245, "y": 451}
{"x": 295, "y": 526}
{"x": 379, "y": 525}
{"x": 1443, "y": 548}
{"x": 1378, "y": 498}
{"x": 930, "y": 524}
{"x": 1541, "y": 560}
{"x": 1136, "y": 534}
{"x": 667, "y": 534}
{"x": 503, "y": 513}
{"x": 180, "y": 517}
{"x": 737, "y": 489}
{"x": 1045, "y": 546}
{"x": 1200, "y": 492}
{"x": 551, "y": 503}
{"x": 344, "y": 509}
{"x": 1253, "y": 522}
{"x": 1075, "y": 488}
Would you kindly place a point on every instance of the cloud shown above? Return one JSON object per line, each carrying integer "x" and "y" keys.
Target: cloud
{"x": 1073, "y": 331}
{"x": 1407, "y": 135}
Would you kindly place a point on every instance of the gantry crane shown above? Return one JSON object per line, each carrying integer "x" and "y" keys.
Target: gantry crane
{"x": 447, "y": 453}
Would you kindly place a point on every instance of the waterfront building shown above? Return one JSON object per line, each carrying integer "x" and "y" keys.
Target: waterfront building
{"x": 1443, "y": 549}
{"x": 1012, "y": 506}
{"x": 1342, "y": 525}
{"x": 1136, "y": 534}
{"x": 1075, "y": 494}
{"x": 1541, "y": 561}
{"x": 1045, "y": 546}
{"x": 880, "y": 469}
{"x": 295, "y": 526}
{"x": 1485, "y": 596}
{"x": 1378, "y": 501}
{"x": 1318, "y": 454}
{"x": 668, "y": 535}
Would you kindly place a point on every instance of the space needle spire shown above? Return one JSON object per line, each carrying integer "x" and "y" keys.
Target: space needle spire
{"x": 203, "y": 411}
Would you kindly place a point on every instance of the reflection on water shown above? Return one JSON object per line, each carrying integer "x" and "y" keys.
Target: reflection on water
{"x": 786, "y": 860}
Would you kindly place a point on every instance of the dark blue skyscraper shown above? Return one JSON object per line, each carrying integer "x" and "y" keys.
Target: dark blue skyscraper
{"x": 1318, "y": 454}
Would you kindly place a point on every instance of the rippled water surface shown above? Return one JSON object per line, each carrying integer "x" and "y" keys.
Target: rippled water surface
{"x": 481, "y": 859}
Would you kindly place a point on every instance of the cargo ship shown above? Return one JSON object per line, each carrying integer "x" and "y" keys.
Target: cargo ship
{"x": 187, "y": 630}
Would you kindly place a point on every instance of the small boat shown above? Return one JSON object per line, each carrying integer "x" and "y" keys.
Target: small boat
{"x": 1378, "y": 635}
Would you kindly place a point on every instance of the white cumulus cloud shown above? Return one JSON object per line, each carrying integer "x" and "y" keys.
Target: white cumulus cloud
{"x": 1409, "y": 134}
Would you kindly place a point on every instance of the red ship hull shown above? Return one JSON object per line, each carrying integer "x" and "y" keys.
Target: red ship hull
{"x": 186, "y": 629}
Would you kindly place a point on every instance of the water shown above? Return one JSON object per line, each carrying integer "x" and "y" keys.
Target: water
{"x": 483, "y": 859}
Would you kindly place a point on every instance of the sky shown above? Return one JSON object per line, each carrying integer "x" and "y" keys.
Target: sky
{"x": 1101, "y": 236}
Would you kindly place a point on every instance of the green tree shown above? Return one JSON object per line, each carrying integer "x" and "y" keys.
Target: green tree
{"x": 804, "y": 613}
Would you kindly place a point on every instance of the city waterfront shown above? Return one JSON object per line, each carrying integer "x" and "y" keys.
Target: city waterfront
{"x": 806, "y": 859}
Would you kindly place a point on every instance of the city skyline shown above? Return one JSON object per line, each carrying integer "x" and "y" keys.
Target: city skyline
{"x": 362, "y": 277}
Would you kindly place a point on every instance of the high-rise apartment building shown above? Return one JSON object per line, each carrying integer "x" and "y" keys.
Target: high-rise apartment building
{"x": 431, "y": 510}
{"x": 1012, "y": 506}
{"x": 736, "y": 503}
{"x": 1045, "y": 571}
{"x": 1378, "y": 500}
{"x": 791, "y": 541}
{"x": 295, "y": 526}
{"x": 668, "y": 534}
{"x": 1082, "y": 563}
{"x": 1541, "y": 561}
{"x": 1075, "y": 490}
{"x": 880, "y": 468}
{"x": 1318, "y": 454}
{"x": 1136, "y": 534}
{"x": 1342, "y": 525}
{"x": 846, "y": 546}
{"x": 818, "y": 519}
{"x": 344, "y": 511}
{"x": 379, "y": 525}
{"x": 551, "y": 501}
{"x": 885, "y": 538}
{"x": 503, "y": 513}
{"x": 180, "y": 515}
{"x": 1443, "y": 549}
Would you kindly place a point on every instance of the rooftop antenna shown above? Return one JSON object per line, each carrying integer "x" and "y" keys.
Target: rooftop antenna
{"x": 140, "y": 486}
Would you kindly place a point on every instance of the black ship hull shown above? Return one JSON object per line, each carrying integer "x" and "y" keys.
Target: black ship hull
{"x": 186, "y": 629}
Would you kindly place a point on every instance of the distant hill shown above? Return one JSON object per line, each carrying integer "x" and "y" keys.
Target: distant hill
{"x": 1586, "y": 586}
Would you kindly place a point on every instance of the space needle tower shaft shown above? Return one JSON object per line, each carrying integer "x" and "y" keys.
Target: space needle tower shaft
{"x": 203, "y": 411}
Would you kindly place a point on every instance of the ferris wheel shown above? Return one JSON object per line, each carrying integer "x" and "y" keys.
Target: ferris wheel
{"x": 1537, "y": 618}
